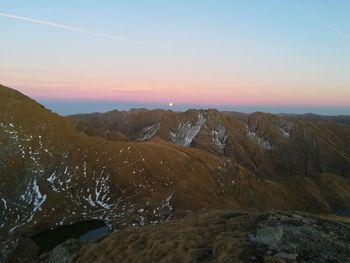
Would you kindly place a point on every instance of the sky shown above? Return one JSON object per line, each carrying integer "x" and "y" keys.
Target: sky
{"x": 98, "y": 55}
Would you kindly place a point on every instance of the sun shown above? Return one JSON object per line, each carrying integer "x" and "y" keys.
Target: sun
{"x": 171, "y": 104}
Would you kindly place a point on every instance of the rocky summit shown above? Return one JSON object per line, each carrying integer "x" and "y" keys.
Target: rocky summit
{"x": 194, "y": 186}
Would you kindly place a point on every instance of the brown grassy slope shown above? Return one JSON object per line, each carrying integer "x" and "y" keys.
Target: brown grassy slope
{"x": 193, "y": 239}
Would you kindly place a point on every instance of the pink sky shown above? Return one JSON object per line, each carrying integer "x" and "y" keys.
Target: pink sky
{"x": 201, "y": 94}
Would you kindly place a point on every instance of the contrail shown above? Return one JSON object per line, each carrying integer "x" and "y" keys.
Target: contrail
{"x": 323, "y": 23}
{"x": 71, "y": 28}
{"x": 340, "y": 33}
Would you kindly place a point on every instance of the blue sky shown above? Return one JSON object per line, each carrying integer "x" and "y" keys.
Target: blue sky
{"x": 268, "y": 55}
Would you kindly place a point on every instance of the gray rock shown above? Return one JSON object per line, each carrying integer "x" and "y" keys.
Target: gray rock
{"x": 185, "y": 133}
{"x": 269, "y": 236}
{"x": 148, "y": 132}
{"x": 219, "y": 137}
{"x": 66, "y": 252}
{"x": 270, "y": 259}
{"x": 286, "y": 256}
{"x": 296, "y": 238}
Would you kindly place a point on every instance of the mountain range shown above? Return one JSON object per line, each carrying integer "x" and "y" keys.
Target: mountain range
{"x": 141, "y": 167}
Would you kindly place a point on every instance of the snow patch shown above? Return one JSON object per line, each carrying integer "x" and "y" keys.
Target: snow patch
{"x": 148, "y": 132}
{"x": 219, "y": 137}
{"x": 264, "y": 143}
{"x": 5, "y": 203}
{"x": 285, "y": 127}
{"x": 185, "y": 133}
{"x": 33, "y": 196}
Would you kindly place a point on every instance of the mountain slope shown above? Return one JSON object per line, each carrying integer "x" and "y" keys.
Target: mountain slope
{"x": 51, "y": 174}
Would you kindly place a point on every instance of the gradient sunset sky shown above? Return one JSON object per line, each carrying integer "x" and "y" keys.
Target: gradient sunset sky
{"x": 84, "y": 56}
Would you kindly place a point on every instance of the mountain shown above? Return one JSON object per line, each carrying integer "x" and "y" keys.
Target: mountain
{"x": 139, "y": 167}
{"x": 267, "y": 144}
{"x": 340, "y": 119}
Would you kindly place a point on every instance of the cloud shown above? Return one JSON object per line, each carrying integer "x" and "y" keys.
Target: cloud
{"x": 71, "y": 28}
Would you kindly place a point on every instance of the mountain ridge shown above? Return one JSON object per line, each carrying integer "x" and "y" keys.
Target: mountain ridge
{"x": 256, "y": 128}
{"x": 52, "y": 175}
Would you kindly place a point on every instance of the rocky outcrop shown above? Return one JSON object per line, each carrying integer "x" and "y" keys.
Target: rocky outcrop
{"x": 66, "y": 252}
{"x": 295, "y": 238}
{"x": 185, "y": 133}
{"x": 148, "y": 132}
{"x": 219, "y": 137}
